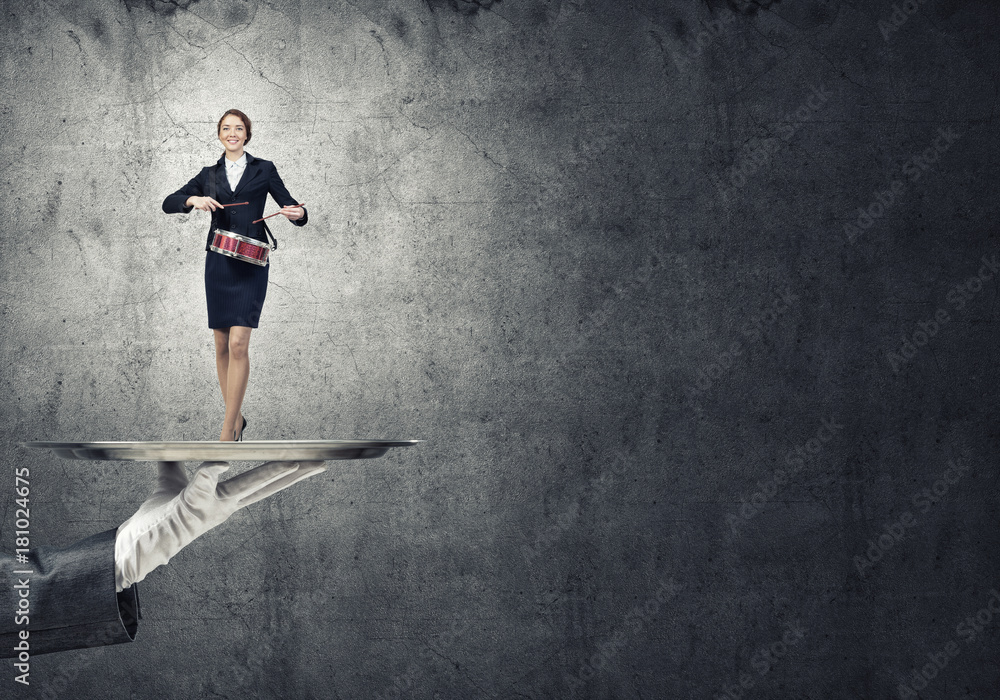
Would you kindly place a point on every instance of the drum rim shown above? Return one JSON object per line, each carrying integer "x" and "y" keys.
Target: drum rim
{"x": 237, "y": 256}
{"x": 240, "y": 237}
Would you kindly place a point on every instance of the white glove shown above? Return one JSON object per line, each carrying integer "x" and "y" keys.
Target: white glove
{"x": 178, "y": 512}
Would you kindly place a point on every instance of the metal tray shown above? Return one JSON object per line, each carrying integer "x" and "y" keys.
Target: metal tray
{"x": 253, "y": 450}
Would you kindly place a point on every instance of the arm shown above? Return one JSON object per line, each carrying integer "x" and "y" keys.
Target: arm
{"x": 191, "y": 196}
{"x": 72, "y": 599}
{"x": 280, "y": 195}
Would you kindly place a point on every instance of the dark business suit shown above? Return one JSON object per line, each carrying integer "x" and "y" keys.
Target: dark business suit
{"x": 71, "y": 598}
{"x": 235, "y": 289}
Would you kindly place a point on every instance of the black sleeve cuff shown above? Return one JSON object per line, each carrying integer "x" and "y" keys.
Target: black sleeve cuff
{"x": 73, "y": 603}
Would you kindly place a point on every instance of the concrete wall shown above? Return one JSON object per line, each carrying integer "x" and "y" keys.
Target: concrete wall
{"x": 596, "y": 253}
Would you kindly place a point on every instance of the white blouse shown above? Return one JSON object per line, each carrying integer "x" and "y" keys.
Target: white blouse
{"x": 234, "y": 170}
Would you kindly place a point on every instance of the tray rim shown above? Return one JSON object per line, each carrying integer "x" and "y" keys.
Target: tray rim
{"x": 192, "y": 450}
{"x": 95, "y": 444}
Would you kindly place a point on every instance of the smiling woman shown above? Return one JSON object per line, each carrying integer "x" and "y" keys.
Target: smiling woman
{"x": 234, "y": 191}
{"x": 234, "y": 131}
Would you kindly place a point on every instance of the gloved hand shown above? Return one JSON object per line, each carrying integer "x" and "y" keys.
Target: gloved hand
{"x": 178, "y": 512}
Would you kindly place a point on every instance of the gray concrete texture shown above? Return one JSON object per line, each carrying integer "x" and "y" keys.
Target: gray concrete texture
{"x": 688, "y": 301}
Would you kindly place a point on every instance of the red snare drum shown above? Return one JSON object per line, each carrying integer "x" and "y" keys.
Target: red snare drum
{"x": 240, "y": 247}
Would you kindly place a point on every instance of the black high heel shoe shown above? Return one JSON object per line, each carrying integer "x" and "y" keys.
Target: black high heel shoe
{"x": 239, "y": 438}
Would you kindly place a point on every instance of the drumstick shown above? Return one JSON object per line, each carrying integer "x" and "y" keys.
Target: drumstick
{"x": 276, "y": 213}
{"x": 233, "y": 205}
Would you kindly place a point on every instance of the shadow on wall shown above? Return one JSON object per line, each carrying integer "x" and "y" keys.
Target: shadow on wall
{"x": 465, "y": 7}
{"x": 167, "y": 9}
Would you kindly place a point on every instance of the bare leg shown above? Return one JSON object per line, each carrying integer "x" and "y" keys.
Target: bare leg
{"x": 222, "y": 368}
{"x": 222, "y": 357}
{"x": 237, "y": 375}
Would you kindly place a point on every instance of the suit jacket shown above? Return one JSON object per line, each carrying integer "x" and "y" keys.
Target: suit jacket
{"x": 260, "y": 178}
{"x": 71, "y": 598}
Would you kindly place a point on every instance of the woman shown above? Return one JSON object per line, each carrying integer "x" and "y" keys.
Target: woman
{"x": 235, "y": 289}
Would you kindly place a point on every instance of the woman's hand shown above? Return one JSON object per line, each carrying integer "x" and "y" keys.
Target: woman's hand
{"x": 292, "y": 213}
{"x": 202, "y": 203}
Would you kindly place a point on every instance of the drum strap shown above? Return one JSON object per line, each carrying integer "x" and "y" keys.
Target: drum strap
{"x": 274, "y": 241}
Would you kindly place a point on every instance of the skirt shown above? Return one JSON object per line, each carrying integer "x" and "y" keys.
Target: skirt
{"x": 235, "y": 291}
